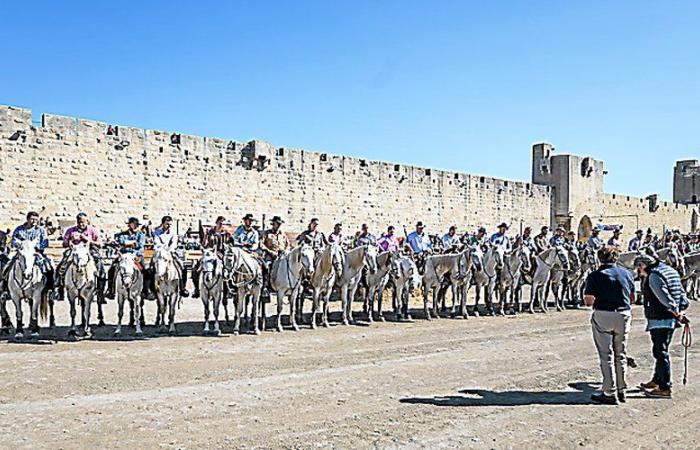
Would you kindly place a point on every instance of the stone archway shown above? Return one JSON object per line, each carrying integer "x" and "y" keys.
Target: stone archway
{"x": 585, "y": 227}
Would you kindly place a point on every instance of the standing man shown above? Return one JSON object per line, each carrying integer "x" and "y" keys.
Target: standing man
{"x": 388, "y": 242}
{"x": 165, "y": 235}
{"x": 664, "y": 300}
{"x": 636, "y": 242}
{"x": 81, "y": 232}
{"x": 245, "y": 235}
{"x": 610, "y": 290}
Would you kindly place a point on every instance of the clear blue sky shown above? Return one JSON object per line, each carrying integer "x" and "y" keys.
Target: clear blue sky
{"x": 460, "y": 85}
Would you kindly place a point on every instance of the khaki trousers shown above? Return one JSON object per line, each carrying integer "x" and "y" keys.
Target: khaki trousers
{"x": 610, "y": 331}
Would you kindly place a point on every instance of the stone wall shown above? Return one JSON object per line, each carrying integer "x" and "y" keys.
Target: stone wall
{"x": 68, "y": 165}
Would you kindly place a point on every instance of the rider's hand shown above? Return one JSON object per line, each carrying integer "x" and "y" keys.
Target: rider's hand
{"x": 683, "y": 320}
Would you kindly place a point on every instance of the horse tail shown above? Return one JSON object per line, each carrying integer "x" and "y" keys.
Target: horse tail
{"x": 44, "y": 306}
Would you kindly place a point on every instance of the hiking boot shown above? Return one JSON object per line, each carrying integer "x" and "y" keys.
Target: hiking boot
{"x": 658, "y": 393}
{"x": 621, "y": 397}
{"x": 648, "y": 386}
{"x": 601, "y": 398}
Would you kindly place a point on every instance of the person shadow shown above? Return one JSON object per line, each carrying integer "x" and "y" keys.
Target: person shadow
{"x": 580, "y": 395}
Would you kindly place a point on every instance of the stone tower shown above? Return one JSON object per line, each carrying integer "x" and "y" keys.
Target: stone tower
{"x": 577, "y": 182}
{"x": 686, "y": 181}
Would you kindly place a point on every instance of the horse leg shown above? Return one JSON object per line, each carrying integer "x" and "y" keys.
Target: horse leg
{"x": 131, "y": 312}
{"x": 205, "y": 302}
{"x": 52, "y": 319}
{"x": 120, "y": 314}
{"x": 351, "y": 298}
{"x": 6, "y": 321}
{"x": 256, "y": 310}
{"x": 87, "y": 332}
{"x": 314, "y": 308}
{"x": 34, "y": 318}
{"x": 369, "y": 300}
{"x": 326, "y": 299}
{"x": 240, "y": 305}
{"x": 292, "y": 309}
{"x": 138, "y": 314}
{"x": 280, "y": 301}
{"x": 477, "y": 297}
{"x": 425, "y": 302}
{"x": 533, "y": 294}
{"x": 380, "y": 300}
{"x": 71, "y": 301}
{"x": 344, "y": 303}
{"x": 217, "y": 302}
{"x": 226, "y": 317}
{"x": 300, "y": 305}
{"x": 172, "y": 307}
{"x": 19, "y": 330}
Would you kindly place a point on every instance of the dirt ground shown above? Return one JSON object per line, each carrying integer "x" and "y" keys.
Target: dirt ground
{"x": 504, "y": 382}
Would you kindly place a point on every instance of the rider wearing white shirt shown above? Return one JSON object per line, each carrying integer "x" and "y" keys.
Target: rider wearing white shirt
{"x": 165, "y": 236}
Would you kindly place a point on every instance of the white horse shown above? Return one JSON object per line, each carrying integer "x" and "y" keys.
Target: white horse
{"x": 560, "y": 277}
{"x": 286, "y": 275}
{"x": 328, "y": 268}
{"x": 376, "y": 283}
{"x": 485, "y": 279}
{"x": 129, "y": 284}
{"x": 406, "y": 278}
{"x": 25, "y": 281}
{"x": 555, "y": 257}
{"x": 436, "y": 267}
{"x": 211, "y": 287}
{"x": 80, "y": 282}
{"x": 243, "y": 273}
{"x": 354, "y": 261}
{"x": 167, "y": 282}
{"x": 460, "y": 287}
{"x": 516, "y": 262}
{"x": 577, "y": 280}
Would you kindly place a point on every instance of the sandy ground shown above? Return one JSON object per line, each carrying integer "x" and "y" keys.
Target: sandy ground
{"x": 504, "y": 382}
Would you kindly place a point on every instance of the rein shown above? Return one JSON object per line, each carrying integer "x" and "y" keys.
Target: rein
{"x": 686, "y": 341}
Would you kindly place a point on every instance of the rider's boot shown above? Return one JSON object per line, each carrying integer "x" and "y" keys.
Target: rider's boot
{"x": 195, "y": 282}
{"x": 183, "y": 284}
{"x": 111, "y": 281}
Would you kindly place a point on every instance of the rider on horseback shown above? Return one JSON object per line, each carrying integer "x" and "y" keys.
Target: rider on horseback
{"x": 388, "y": 242}
{"x": 478, "y": 240}
{"x": 313, "y": 237}
{"x": 337, "y": 237}
{"x": 246, "y": 236}
{"x": 541, "y": 242}
{"x": 499, "y": 238}
{"x": 31, "y": 230}
{"x": 365, "y": 237}
{"x": 420, "y": 246}
{"x": 81, "y": 232}
{"x": 595, "y": 242}
{"x": 216, "y": 237}
{"x": 450, "y": 241}
{"x": 132, "y": 240}
{"x": 558, "y": 239}
{"x": 165, "y": 236}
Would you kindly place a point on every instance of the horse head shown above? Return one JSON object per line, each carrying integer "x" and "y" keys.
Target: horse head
{"x": 463, "y": 264}
{"x": 231, "y": 258}
{"x": 524, "y": 255}
{"x": 562, "y": 256}
{"x": 371, "y": 258}
{"x": 127, "y": 268}
{"x": 477, "y": 259}
{"x": 574, "y": 258}
{"x": 337, "y": 259}
{"x": 209, "y": 265}
{"x": 499, "y": 255}
{"x": 162, "y": 258}
{"x": 306, "y": 258}
{"x": 26, "y": 257}
{"x": 81, "y": 256}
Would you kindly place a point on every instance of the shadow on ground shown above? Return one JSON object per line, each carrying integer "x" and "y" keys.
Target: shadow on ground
{"x": 581, "y": 395}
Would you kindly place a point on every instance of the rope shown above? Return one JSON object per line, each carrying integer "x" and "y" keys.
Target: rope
{"x": 686, "y": 341}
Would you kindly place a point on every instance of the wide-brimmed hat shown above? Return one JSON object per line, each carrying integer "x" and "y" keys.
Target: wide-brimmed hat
{"x": 644, "y": 259}
{"x": 595, "y": 230}
{"x": 133, "y": 220}
{"x": 503, "y": 225}
{"x": 249, "y": 217}
{"x": 276, "y": 219}
{"x": 419, "y": 224}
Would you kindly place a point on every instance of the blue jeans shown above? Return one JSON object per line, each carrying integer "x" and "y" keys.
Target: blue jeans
{"x": 661, "y": 339}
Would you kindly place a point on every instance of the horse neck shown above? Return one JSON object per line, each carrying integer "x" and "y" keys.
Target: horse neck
{"x": 355, "y": 258}
{"x": 490, "y": 259}
{"x": 324, "y": 264}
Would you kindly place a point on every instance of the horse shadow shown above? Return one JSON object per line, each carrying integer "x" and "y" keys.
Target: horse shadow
{"x": 581, "y": 395}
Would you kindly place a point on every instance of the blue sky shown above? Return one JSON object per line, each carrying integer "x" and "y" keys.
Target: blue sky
{"x": 465, "y": 86}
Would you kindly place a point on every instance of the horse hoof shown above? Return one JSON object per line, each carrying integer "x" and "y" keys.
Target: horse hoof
{"x": 313, "y": 326}
{"x": 34, "y": 335}
{"x": 382, "y": 319}
{"x": 52, "y": 324}
{"x": 345, "y": 322}
{"x": 236, "y": 332}
{"x": 19, "y": 336}
{"x": 326, "y": 324}
{"x": 409, "y": 318}
{"x": 295, "y": 327}
{"x": 429, "y": 318}
{"x": 279, "y": 328}
{"x": 72, "y": 333}
{"x": 256, "y": 332}
{"x": 172, "y": 332}
{"x": 139, "y": 334}
{"x": 101, "y": 323}
{"x": 117, "y": 333}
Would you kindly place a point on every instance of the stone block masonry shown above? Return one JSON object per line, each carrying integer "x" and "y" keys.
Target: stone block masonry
{"x": 67, "y": 165}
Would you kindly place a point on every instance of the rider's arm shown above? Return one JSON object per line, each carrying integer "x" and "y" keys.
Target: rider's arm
{"x": 43, "y": 240}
